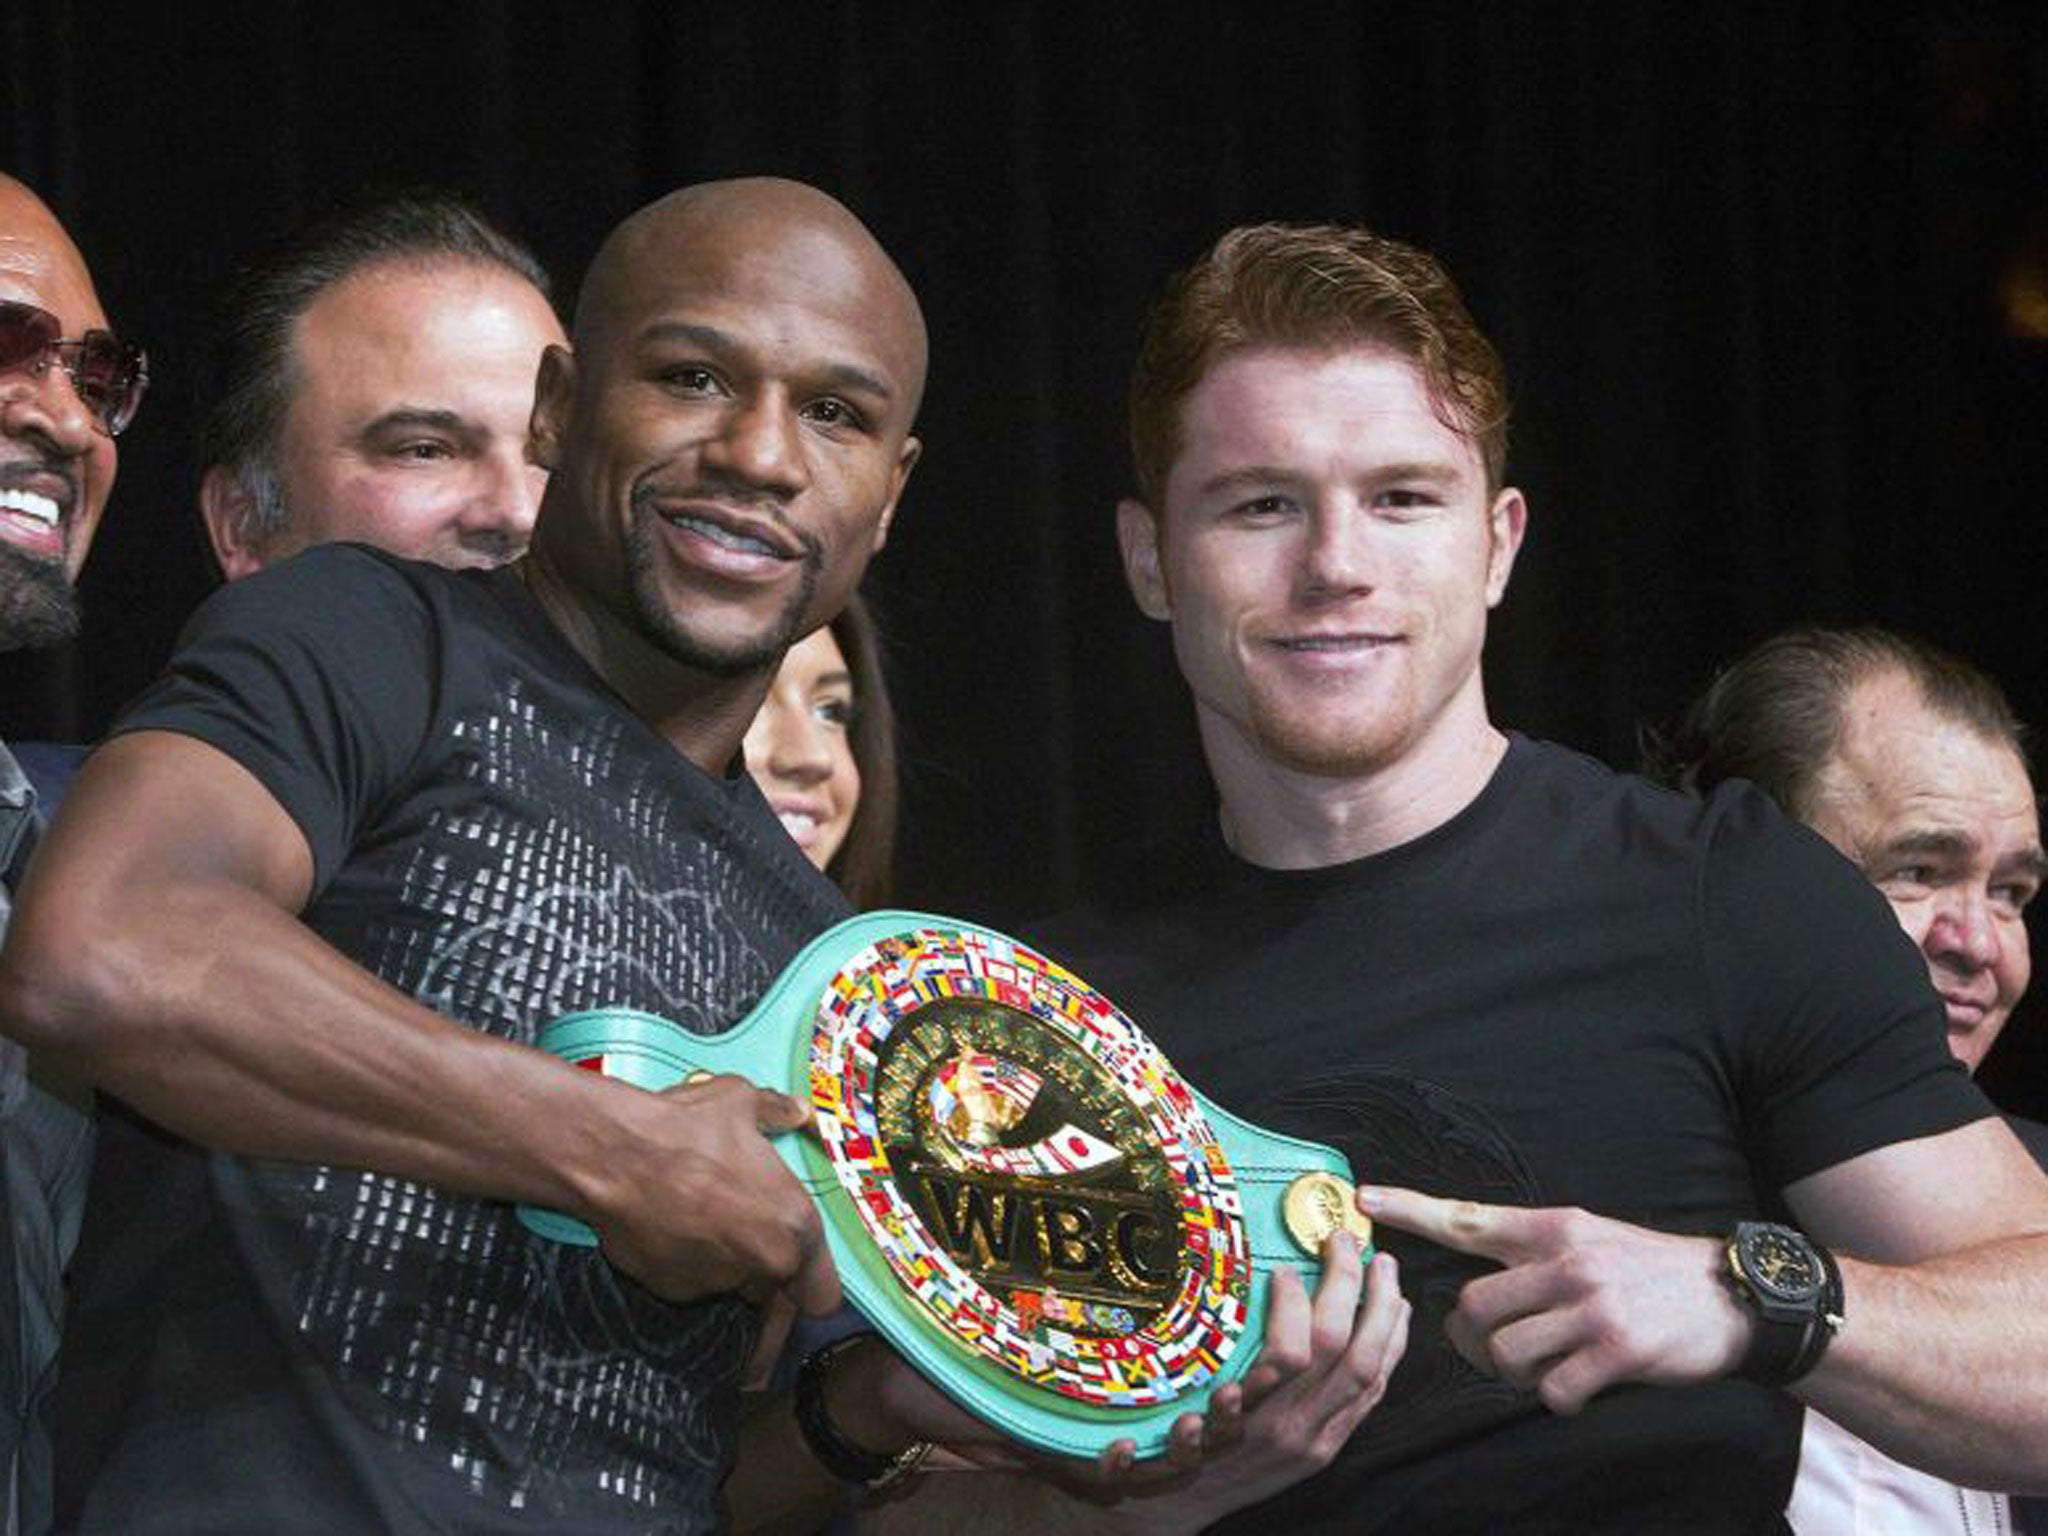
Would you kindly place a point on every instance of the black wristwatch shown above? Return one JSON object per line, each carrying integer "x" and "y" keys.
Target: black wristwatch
{"x": 1793, "y": 1287}
{"x": 838, "y": 1455}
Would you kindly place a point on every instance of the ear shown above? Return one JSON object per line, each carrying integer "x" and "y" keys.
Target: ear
{"x": 906, "y": 461}
{"x": 229, "y": 511}
{"x": 1137, "y": 537}
{"x": 1506, "y": 524}
{"x": 554, "y": 390}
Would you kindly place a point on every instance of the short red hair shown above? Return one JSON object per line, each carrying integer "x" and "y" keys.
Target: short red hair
{"x": 1318, "y": 287}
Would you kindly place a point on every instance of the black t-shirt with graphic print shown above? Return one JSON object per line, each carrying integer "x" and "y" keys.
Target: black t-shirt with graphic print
{"x": 1580, "y": 991}
{"x": 272, "y": 1346}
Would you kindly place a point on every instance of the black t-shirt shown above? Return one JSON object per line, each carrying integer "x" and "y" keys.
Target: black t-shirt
{"x": 1580, "y": 991}
{"x": 275, "y": 1346}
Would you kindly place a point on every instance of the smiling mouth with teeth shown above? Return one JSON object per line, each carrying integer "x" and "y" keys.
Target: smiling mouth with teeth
{"x": 1333, "y": 642}
{"x": 724, "y": 538}
{"x": 29, "y": 504}
{"x": 32, "y": 523}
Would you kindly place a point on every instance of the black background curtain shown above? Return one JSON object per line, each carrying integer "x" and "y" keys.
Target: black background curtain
{"x": 1770, "y": 283}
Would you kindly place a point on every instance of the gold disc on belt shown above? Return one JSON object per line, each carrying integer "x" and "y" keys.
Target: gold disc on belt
{"x": 1317, "y": 1204}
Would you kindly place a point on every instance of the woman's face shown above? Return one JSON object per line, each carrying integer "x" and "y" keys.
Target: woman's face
{"x": 800, "y": 747}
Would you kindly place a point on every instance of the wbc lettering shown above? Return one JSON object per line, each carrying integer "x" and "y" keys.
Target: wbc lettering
{"x": 1087, "y": 1242}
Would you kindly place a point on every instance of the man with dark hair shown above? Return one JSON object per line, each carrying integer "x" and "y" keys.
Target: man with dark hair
{"x": 1911, "y": 762}
{"x": 1673, "y": 1083}
{"x": 67, "y": 386}
{"x": 377, "y": 376}
{"x": 372, "y": 380}
{"x": 378, "y": 824}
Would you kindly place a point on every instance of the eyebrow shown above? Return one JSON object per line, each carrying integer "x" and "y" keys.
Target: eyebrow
{"x": 2033, "y": 862}
{"x": 413, "y": 416}
{"x": 1946, "y": 845}
{"x": 841, "y": 376}
{"x": 1957, "y": 845}
{"x": 1254, "y": 475}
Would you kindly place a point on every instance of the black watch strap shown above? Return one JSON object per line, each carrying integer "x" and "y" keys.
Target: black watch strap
{"x": 1788, "y": 1339}
{"x": 1827, "y": 1320}
{"x": 1774, "y": 1349}
{"x": 838, "y": 1455}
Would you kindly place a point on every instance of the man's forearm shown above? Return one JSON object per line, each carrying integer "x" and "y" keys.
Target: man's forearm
{"x": 1943, "y": 1243}
{"x": 156, "y": 950}
{"x": 230, "y": 1022}
{"x": 1942, "y": 1364}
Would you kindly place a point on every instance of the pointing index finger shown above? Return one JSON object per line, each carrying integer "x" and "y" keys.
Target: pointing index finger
{"x": 1465, "y": 1226}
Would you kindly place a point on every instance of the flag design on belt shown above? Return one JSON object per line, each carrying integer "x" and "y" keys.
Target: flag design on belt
{"x": 1092, "y": 1352}
{"x": 975, "y": 1097}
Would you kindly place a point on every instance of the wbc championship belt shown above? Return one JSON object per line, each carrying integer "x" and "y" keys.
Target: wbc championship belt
{"x": 1019, "y": 1191}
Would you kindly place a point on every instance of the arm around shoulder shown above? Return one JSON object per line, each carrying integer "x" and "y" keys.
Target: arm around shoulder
{"x": 1943, "y": 1244}
{"x": 157, "y": 951}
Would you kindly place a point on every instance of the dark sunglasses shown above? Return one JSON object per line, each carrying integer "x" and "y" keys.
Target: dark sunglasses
{"x": 108, "y": 373}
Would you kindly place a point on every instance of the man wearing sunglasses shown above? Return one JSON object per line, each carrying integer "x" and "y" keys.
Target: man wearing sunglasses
{"x": 67, "y": 386}
{"x": 394, "y": 817}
